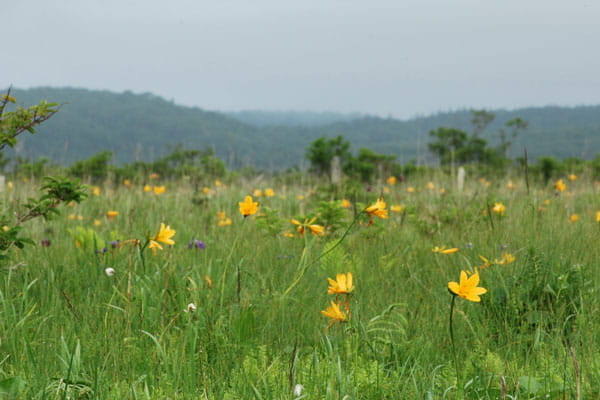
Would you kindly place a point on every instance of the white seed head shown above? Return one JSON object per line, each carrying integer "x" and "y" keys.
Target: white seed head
{"x": 191, "y": 307}
{"x": 109, "y": 271}
{"x": 298, "y": 389}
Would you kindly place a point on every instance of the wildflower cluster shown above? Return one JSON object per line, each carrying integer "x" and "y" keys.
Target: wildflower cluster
{"x": 342, "y": 286}
{"x": 223, "y": 219}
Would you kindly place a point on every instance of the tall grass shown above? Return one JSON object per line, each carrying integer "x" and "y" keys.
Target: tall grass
{"x": 70, "y": 331}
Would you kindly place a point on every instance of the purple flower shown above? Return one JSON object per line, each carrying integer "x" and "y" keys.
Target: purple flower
{"x": 114, "y": 244}
{"x": 46, "y": 242}
{"x": 198, "y": 244}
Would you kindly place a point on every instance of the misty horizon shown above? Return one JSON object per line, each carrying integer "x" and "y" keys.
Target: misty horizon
{"x": 402, "y": 59}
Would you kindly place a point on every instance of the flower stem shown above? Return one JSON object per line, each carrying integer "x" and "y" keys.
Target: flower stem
{"x": 456, "y": 366}
{"x": 142, "y": 254}
{"x": 227, "y": 264}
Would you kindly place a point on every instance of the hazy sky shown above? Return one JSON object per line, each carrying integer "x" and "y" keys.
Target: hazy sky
{"x": 402, "y": 57}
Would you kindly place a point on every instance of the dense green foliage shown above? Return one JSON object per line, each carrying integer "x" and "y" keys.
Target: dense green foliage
{"x": 144, "y": 127}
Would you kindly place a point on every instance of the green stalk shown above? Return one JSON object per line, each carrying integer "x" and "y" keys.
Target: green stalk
{"x": 142, "y": 254}
{"x": 456, "y": 365}
{"x": 227, "y": 264}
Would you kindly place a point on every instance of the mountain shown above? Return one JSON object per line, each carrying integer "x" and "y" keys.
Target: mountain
{"x": 145, "y": 127}
{"x": 262, "y": 118}
{"x": 133, "y": 126}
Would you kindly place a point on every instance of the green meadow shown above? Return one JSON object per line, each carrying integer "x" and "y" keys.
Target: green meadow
{"x": 233, "y": 309}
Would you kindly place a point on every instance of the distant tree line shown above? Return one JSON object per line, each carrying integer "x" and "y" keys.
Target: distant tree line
{"x": 455, "y": 146}
{"x": 143, "y": 126}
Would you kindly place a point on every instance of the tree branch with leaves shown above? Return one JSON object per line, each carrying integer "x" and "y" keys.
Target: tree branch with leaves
{"x": 54, "y": 190}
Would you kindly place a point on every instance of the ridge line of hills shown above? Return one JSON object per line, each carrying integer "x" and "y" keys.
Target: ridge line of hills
{"x": 146, "y": 126}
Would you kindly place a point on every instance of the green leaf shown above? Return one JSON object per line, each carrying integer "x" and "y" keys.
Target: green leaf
{"x": 12, "y": 386}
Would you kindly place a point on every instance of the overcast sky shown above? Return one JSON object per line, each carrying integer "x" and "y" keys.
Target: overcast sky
{"x": 386, "y": 57}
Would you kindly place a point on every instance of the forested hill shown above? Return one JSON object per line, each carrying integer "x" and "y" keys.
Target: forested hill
{"x": 145, "y": 126}
{"x": 291, "y": 118}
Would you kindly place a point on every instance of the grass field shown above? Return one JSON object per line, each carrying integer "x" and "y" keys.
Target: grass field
{"x": 233, "y": 309}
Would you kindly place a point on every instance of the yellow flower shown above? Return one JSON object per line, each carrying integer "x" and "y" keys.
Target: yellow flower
{"x": 342, "y": 284}
{"x": 224, "y": 222}
{"x": 71, "y": 216}
{"x": 269, "y": 192}
{"x": 257, "y": 193}
{"x": 510, "y": 185}
{"x": 560, "y": 185}
{"x": 378, "y": 209}
{"x": 80, "y": 218}
{"x": 546, "y": 202}
{"x": 396, "y": 208}
{"x": 95, "y": 190}
{"x": 346, "y": 203}
{"x": 165, "y": 234}
{"x": 300, "y": 197}
{"x": 574, "y": 218}
{"x": 572, "y": 177}
{"x": 386, "y": 189}
{"x": 314, "y": 229}
{"x": 248, "y": 207}
{"x": 206, "y": 190}
{"x": 127, "y": 182}
{"x": 597, "y": 216}
{"x": 499, "y": 208}
{"x": 154, "y": 176}
{"x": 391, "y": 180}
{"x": 430, "y": 185}
{"x": 154, "y": 245}
{"x": 467, "y": 288}
{"x": 442, "y": 191}
{"x": 506, "y": 259}
{"x": 208, "y": 281}
{"x": 159, "y": 190}
{"x": 288, "y": 234}
{"x": 218, "y": 183}
{"x": 9, "y": 185}
{"x": 335, "y": 313}
{"x": 111, "y": 214}
{"x": 97, "y": 222}
{"x": 449, "y": 251}
{"x": 410, "y": 189}
{"x": 486, "y": 262}
{"x": 318, "y": 230}
{"x": 147, "y": 188}
{"x": 444, "y": 250}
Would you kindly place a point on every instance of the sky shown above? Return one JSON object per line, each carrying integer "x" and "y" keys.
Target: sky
{"x": 399, "y": 58}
